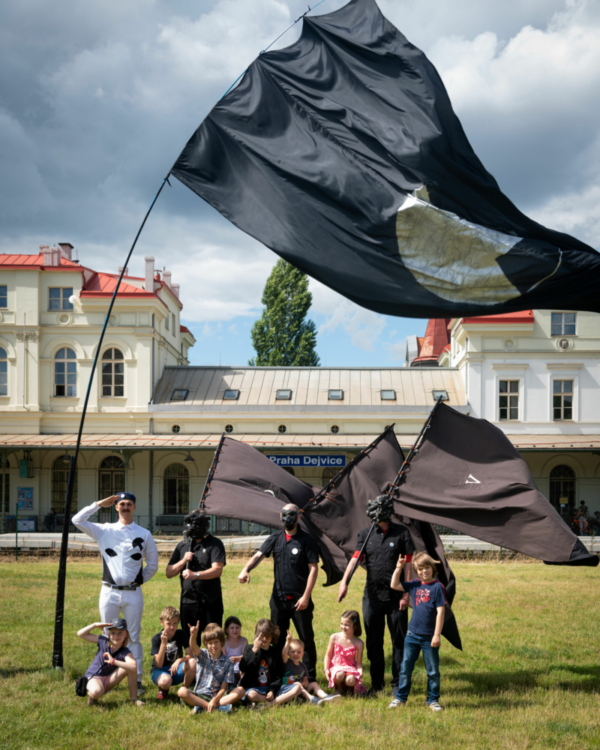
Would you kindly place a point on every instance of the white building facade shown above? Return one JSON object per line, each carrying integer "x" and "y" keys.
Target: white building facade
{"x": 153, "y": 421}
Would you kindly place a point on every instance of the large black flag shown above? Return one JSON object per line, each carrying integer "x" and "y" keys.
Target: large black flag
{"x": 468, "y": 476}
{"x": 343, "y": 155}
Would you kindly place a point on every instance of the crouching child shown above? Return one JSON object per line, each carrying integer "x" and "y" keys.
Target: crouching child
{"x": 113, "y": 661}
{"x": 214, "y": 674}
{"x": 172, "y": 662}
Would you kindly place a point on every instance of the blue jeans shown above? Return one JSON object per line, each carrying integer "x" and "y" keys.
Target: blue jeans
{"x": 413, "y": 644}
{"x": 177, "y": 678}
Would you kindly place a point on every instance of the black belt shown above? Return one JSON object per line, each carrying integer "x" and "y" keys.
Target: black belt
{"x": 119, "y": 588}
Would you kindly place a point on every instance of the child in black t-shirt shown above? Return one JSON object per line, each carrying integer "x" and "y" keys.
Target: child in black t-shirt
{"x": 424, "y": 629}
{"x": 170, "y": 665}
{"x": 296, "y": 673}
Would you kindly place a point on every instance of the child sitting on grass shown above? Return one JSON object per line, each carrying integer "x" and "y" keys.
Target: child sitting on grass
{"x": 424, "y": 629}
{"x": 262, "y": 668}
{"x": 235, "y": 643}
{"x": 214, "y": 673}
{"x": 113, "y": 661}
{"x": 343, "y": 660}
{"x": 170, "y": 666}
{"x": 296, "y": 673}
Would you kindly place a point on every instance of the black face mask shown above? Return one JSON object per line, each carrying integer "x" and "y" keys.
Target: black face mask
{"x": 289, "y": 518}
{"x": 381, "y": 509}
{"x": 196, "y": 525}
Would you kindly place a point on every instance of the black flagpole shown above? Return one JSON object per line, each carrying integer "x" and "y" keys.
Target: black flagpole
{"x": 405, "y": 465}
{"x": 57, "y": 655}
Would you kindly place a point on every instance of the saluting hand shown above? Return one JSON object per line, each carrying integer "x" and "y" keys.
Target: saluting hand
{"x": 108, "y": 501}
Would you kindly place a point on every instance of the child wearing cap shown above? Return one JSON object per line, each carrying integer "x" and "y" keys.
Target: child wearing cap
{"x": 113, "y": 661}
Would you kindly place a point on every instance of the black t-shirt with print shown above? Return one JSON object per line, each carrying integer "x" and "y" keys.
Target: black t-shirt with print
{"x": 175, "y": 649}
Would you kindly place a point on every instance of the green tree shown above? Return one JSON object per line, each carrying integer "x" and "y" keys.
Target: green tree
{"x": 282, "y": 336}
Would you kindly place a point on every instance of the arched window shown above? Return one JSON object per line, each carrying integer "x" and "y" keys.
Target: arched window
{"x": 562, "y": 487}
{"x": 111, "y": 477}
{"x": 3, "y": 372}
{"x": 176, "y": 490}
{"x": 65, "y": 372}
{"x": 113, "y": 373}
{"x": 60, "y": 480}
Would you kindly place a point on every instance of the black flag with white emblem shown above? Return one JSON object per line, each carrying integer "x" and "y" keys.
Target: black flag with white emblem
{"x": 343, "y": 155}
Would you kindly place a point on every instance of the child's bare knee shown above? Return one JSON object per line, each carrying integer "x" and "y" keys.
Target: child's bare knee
{"x": 183, "y": 692}
{"x": 350, "y": 680}
{"x": 164, "y": 681}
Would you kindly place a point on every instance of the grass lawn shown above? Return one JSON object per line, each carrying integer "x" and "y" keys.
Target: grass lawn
{"x": 528, "y": 677}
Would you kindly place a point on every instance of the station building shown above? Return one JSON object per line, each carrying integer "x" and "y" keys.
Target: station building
{"x": 154, "y": 421}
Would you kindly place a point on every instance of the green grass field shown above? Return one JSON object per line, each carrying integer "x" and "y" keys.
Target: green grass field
{"x": 528, "y": 677}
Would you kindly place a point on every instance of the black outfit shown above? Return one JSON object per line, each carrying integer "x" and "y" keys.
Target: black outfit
{"x": 173, "y": 651}
{"x": 262, "y": 669}
{"x": 201, "y": 601}
{"x": 380, "y": 602}
{"x": 292, "y": 559}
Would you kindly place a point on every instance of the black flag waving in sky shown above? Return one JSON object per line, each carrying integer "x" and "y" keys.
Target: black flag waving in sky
{"x": 343, "y": 155}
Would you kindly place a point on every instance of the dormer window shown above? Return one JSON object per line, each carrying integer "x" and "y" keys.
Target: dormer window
{"x": 336, "y": 394}
{"x": 231, "y": 395}
{"x": 388, "y": 395}
{"x": 563, "y": 324}
{"x": 440, "y": 394}
{"x": 283, "y": 394}
{"x": 179, "y": 394}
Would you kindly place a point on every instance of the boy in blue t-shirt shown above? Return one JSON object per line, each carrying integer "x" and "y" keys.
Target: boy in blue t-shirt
{"x": 424, "y": 629}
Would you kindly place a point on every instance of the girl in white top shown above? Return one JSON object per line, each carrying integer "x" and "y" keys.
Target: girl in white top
{"x": 235, "y": 643}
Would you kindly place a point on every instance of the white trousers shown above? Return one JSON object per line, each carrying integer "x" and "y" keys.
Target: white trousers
{"x": 131, "y": 604}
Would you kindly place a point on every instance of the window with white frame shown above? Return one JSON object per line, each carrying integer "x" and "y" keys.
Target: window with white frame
{"x": 508, "y": 400}
{"x": 65, "y": 373}
{"x": 562, "y": 400}
{"x": 113, "y": 373}
{"x": 3, "y": 372}
{"x": 563, "y": 324}
{"x": 3, "y": 296}
{"x": 58, "y": 298}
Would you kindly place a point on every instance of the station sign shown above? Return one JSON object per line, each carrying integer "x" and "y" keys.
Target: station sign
{"x": 309, "y": 462}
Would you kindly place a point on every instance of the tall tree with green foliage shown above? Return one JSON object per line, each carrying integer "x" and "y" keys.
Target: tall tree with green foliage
{"x": 282, "y": 336}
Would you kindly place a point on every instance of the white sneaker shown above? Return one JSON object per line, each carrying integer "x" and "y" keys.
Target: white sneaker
{"x": 435, "y": 706}
{"x": 397, "y": 704}
{"x": 331, "y": 698}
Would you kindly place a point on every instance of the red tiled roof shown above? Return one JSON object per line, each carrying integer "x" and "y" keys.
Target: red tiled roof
{"x": 103, "y": 285}
{"x": 184, "y": 329}
{"x": 36, "y": 261}
{"x": 435, "y": 340}
{"x": 522, "y": 316}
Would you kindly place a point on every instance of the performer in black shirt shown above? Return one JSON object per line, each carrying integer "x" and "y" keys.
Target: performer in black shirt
{"x": 380, "y": 602}
{"x": 199, "y": 560}
{"x": 296, "y": 557}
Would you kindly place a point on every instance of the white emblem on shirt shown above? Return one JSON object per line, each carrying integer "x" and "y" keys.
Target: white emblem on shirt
{"x": 295, "y": 551}
{"x": 391, "y": 544}
{"x": 471, "y": 480}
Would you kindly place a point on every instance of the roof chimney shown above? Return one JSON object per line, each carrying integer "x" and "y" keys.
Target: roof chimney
{"x": 56, "y": 255}
{"x": 149, "y": 274}
{"x": 167, "y": 277}
{"x": 47, "y": 253}
{"x": 175, "y": 289}
{"x": 66, "y": 249}
{"x": 126, "y": 271}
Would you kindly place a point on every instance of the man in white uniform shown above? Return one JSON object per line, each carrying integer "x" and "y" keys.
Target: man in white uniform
{"x": 123, "y": 546}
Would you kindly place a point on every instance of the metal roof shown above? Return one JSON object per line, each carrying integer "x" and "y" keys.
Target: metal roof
{"x": 309, "y": 385}
{"x": 324, "y": 441}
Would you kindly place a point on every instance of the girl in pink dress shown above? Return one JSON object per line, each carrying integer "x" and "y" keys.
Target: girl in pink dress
{"x": 343, "y": 660}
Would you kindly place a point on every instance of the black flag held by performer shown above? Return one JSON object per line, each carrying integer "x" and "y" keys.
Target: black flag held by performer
{"x": 339, "y": 511}
{"x": 468, "y": 476}
{"x": 248, "y": 486}
{"x": 342, "y": 153}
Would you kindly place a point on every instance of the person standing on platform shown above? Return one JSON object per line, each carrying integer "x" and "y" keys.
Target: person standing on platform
{"x": 296, "y": 557}
{"x": 123, "y": 546}
{"x": 199, "y": 561}
{"x": 380, "y": 602}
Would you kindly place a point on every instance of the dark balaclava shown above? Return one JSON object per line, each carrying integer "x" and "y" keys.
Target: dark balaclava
{"x": 380, "y": 509}
{"x": 196, "y": 525}
{"x": 289, "y": 518}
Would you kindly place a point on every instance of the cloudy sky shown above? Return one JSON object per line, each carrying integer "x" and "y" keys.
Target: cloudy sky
{"x": 97, "y": 99}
